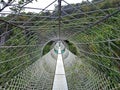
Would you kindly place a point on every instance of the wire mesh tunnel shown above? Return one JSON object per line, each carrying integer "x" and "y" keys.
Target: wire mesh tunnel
{"x": 89, "y": 31}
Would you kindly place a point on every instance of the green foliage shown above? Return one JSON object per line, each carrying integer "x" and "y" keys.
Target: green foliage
{"x": 72, "y": 47}
{"x": 47, "y": 47}
{"x": 14, "y": 58}
{"x": 102, "y": 50}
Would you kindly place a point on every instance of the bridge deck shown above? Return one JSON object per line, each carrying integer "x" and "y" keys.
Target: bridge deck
{"x": 60, "y": 82}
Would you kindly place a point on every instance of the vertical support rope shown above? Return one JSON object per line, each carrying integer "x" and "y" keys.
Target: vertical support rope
{"x": 59, "y": 18}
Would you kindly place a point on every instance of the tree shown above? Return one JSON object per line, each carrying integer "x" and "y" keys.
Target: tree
{"x": 6, "y": 3}
{"x": 95, "y": 0}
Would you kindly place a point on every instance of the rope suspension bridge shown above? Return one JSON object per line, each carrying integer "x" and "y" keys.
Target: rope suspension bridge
{"x": 73, "y": 47}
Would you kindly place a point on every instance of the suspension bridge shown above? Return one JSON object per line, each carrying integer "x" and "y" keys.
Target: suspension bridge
{"x": 73, "y": 47}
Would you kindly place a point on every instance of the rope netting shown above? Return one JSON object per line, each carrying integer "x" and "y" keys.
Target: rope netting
{"x": 93, "y": 28}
